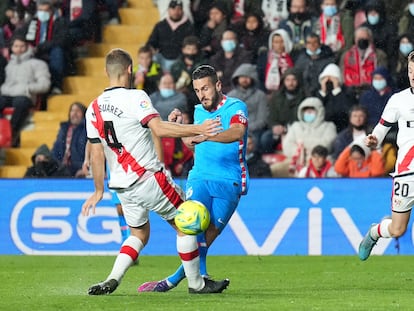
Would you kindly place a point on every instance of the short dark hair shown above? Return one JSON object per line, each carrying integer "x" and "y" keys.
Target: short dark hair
{"x": 117, "y": 61}
{"x": 191, "y": 40}
{"x": 320, "y": 150}
{"x": 204, "y": 71}
{"x": 145, "y": 49}
{"x": 356, "y": 148}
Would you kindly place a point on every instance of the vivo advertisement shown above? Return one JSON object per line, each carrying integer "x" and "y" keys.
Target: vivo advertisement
{"x": 277, "y": 217}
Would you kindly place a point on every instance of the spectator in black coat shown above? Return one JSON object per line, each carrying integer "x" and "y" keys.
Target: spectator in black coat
{"x": 257, "y": 167}
{"x": 167, "y": 35}
{"x": 229, "y": 58}
{"x": 336, "y": 97}
{"x": 311, "y": 61}
{"x": 44, "y": 165}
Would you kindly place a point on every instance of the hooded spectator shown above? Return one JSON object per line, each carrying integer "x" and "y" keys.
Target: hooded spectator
{"x": 44, "y": 165}
{"x": 336, "y": 97}
{"x": 273, "y": 62}
{"x": 246, "y": 89}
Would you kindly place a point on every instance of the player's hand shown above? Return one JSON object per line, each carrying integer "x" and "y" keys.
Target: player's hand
{"x": 175, "y": 116}
{"x": 85, "y": 167}
{"x": 211, "y": 127}
{"x": 198, "y": 139}
{"x": 371, "y": 141}
{"x": 91, "y": 203}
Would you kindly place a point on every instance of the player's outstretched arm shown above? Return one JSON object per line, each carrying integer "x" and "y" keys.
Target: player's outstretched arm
{"x": 98, "y": 172}
{"x": 171, "y": 129}
{"x": 234, "y": 133}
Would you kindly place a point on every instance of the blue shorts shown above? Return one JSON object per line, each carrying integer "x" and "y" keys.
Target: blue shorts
{"x": 115, "y": 200}
{"x": 220, "y": 197}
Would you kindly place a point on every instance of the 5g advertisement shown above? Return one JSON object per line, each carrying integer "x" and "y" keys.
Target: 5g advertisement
{"x": 276, "y": 217}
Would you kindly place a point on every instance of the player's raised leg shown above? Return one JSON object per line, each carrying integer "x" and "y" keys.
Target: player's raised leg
{"x": 388, "y": 228}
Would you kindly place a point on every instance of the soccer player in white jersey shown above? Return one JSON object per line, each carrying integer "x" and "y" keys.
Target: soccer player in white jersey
{"x": 121, "y": 127}
{"x": 399, "y": 109}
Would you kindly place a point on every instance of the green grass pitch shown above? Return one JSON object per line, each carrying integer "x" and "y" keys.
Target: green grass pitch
{"x": 257, "y": 283}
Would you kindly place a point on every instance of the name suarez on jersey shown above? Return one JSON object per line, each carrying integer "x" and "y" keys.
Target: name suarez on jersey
{"x": 112, "y": 109}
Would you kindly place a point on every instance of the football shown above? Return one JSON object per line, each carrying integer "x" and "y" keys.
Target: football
{"x": 192, "y": 217}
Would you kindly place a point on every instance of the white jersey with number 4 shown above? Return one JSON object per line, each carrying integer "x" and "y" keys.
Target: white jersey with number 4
{"x": 400, "y": 108}
{"x": 118, "y": 119}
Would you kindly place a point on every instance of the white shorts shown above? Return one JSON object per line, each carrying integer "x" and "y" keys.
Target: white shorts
{"x": 403, "y": 193}
{"x": 158, "y": 193}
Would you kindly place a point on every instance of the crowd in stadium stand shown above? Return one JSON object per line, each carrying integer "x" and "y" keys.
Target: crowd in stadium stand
{"x": 315, "y": 74}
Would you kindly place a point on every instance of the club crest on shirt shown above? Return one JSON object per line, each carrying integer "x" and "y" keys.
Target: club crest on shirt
{"x": 189, "y": 193}
{"x": 242, "y": 116}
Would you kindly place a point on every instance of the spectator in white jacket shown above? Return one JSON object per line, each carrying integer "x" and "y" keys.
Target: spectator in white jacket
{"x": 303, "y": 135}
{"x": 26, "y": 78}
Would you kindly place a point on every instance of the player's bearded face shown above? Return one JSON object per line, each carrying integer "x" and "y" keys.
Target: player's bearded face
{"x": 207, "y": 93}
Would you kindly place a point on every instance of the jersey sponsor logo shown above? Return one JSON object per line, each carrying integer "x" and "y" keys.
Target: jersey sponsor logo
{"x": 410, "y": 123}
{"x": 144, "y": 104}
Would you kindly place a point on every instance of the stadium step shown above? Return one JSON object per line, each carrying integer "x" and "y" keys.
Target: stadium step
{"x": 101, "y": 49}
{"x": 80, "y": 84}
{"x": 34, "y": 138}
{"x": 12, "y": 171}
{"x": 49, "y": 116}
{"x": 91, "y": 66}
{"x": 19, "y": 156}
{"x": 139, "y": 17}
{"x": 61, "y": 103}
{"x": 141, "y": 4}
{"x": 137, "y": 21}
{"x": 126, "y": 33}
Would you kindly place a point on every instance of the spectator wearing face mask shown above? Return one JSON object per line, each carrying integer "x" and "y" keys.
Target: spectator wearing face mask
{"x": 329, "y": 26}
{"x": 400, "y": 70}
{"x": 311, "y": 61}
{"x": 303, "y": 135}
{"x": 385, "y": 32}
{"x": 358, "y": 62}
{"x": 166, "y": 99}
{"x": 229, "y": 58}
{"x": 298, "y": 25}
{"x": 48, "y": 33}
{"x": 375, "y": 98}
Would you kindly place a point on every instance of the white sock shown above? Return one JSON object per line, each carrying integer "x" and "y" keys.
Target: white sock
{"x": 384, "y": 228}
{"x": 128, "y": 253}
{"x": 188, "y": 250}
{"x": 381, "y": 230}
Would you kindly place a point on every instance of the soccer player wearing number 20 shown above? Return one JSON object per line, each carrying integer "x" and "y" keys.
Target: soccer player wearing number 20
{"x": 122, "y": 127}
{"x": 399, "y": 109}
